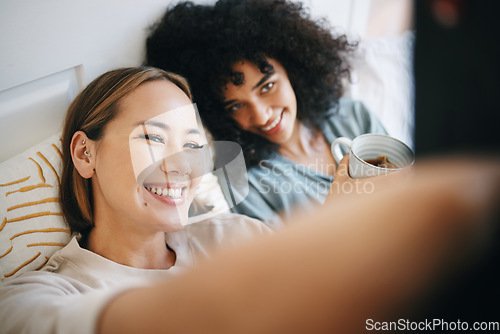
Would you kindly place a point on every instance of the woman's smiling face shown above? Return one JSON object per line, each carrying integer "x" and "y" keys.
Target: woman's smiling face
{"x": 265, "y": 103}
{"x": 150, "y": 160}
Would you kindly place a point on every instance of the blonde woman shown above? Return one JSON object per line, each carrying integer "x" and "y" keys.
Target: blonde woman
{"x": 133, "y": 154}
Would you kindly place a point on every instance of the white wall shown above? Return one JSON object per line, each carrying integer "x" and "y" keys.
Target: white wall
{"x": 347, "y": 16}
{"x": 50, "y": 49}
{"x": 43, "y": 37}
{"x": 38, "y": 38}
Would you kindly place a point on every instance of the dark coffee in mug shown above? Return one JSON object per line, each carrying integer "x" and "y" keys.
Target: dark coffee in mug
{"x": 381, "y": 161}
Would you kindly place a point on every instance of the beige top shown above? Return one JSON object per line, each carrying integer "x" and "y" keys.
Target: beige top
{"x": 68, "y": 293}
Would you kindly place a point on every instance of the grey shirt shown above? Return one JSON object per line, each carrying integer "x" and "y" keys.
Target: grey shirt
{"x": 277, "y": 184}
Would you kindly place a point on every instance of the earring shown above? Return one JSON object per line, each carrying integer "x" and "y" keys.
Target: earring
{"x": 83, "y": 142}
{"x": 146, "y": 203}
{"x": 87, "y": 154}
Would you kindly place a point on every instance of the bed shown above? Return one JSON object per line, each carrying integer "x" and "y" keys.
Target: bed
{"x": 51, "y": 49}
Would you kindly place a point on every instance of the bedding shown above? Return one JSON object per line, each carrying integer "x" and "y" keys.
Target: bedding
{"x": 382, "y": 77}
{"x": 32, "y": 226}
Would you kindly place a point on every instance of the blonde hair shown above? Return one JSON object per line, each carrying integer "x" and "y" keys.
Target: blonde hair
{"x": 90, "y": 112}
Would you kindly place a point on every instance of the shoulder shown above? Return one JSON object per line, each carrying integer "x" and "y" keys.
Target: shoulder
{"x": 33, "y": 283}
{"x": 224, "y": 229}
{"x": 351, "y": 119}
{"x": 228, "y": 225}
{"x": 43, "y": 299}
{"x": 349, "y": 108}
{"x": 62, "y": 256}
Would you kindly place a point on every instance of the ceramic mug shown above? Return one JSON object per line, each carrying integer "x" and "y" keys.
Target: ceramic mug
{"x": 370, "y": 147}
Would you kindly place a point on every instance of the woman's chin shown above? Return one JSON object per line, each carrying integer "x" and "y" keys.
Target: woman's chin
{"x": 171, "y": 219}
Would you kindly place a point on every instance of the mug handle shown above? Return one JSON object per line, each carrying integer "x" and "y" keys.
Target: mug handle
{"x": 336, "y": 152}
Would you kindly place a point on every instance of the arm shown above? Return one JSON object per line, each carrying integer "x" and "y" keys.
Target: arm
{"x": 325, "y": 277}
{"x": 44, "y": 303}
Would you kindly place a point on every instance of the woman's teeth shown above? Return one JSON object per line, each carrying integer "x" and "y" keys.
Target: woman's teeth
{"x": 166, "y": 192}
{"x": 272, "y": 125}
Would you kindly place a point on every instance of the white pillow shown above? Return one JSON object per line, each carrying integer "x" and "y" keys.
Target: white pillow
{"x": 32, "y": 226}
{"x": 382, "y": 77}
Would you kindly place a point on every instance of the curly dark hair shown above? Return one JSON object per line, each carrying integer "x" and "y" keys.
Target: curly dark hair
{"x": 203, "y": 42}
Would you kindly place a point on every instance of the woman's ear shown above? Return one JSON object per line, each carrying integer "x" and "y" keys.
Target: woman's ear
{"x": 82, "y": 153}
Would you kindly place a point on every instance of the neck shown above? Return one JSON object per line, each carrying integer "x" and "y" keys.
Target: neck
{"x": 131, "y": 249}
{"x": 301, "y": 143}
{"x": 309, "y": 148}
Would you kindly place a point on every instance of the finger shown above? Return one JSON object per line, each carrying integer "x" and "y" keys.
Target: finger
{"x": 343, "y": 167}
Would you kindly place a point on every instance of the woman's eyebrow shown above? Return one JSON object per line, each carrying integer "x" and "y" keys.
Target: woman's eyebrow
{"x": 261, "y": 81}
{"x": 226, "y": 103}
{"x": 153, "y": 123}
{"x": 264, "y": 78}
{"x": 164, "y": 126}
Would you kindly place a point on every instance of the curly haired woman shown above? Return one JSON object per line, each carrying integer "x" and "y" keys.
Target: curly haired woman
{"x": 264, "y": 74}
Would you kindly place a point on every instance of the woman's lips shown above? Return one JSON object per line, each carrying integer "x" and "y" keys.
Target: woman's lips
{"x": 274, "y": 127}
{"x": 172, "y": 195}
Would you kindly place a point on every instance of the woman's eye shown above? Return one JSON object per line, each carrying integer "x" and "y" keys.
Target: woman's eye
{"x": 193, "y": 146}
{"x": 235, "y": 107}
{"x": 267, "y": 87}
{"x": 153, "y": 138}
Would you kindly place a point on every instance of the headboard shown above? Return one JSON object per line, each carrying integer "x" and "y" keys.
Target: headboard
{"x": 51, "y": 49}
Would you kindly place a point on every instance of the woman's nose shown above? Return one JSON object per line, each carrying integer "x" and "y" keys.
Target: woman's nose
{"x": 177, "y": 163}
{"x": 261, "y": 113}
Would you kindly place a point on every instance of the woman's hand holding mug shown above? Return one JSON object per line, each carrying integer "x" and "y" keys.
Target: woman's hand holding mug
{"x": 369, "y": 155}
{"x": 373, "y": 154}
